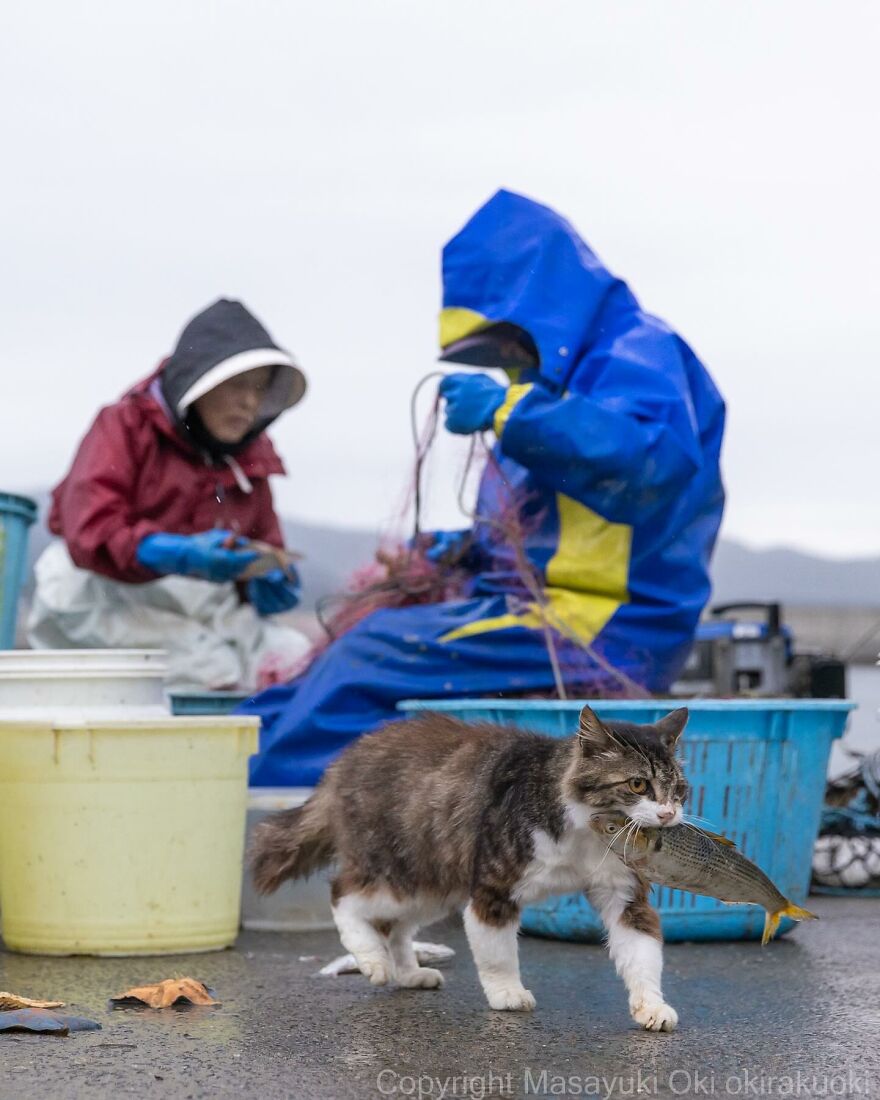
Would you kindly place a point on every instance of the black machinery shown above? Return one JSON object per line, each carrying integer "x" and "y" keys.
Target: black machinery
{"x": 748, "y": 656}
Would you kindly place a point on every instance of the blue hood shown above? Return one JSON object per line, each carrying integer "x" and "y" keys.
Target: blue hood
{"x": 520, "y": 262}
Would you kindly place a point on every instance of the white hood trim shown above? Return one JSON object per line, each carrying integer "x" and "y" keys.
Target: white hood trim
{"x": 287, "y": 389}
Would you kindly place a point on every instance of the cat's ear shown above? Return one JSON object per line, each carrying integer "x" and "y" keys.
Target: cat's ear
{"x": 592, "y": 734}
{"x": 670, "y": 728}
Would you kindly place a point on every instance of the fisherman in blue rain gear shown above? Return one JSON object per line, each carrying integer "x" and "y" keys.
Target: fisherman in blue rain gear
{"x": 607, "y": 441}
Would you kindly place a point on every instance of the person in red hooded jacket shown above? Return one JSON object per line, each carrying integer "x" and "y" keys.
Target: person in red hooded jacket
{"x": 154, "y": 518}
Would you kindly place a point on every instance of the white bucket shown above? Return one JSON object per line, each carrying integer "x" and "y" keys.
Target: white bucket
{"x": 300, "y": 906}
{"x": 67, "y": 684}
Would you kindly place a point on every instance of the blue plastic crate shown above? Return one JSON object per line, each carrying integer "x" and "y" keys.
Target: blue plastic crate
{"x": 206, "y": 702}
{"x": 757, "y": 771}
{"x": 16, "y": 516}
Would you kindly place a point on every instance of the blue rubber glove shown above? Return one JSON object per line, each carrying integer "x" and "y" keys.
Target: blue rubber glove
{"x": 471, "y": 401}
{"x": 448, "y": 545}
{"x": 204, "y": 555}
{"x": 275, "y": 592}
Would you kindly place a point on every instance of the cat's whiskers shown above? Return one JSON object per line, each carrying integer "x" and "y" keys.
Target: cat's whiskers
{"x": 611, "y": 845}
{"x": 633, "y": 825}
{"x": 694, "y": 828}
{"x": 605, "y": 855}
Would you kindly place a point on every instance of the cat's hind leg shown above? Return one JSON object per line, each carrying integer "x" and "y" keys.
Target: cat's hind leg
{"x": 407, "y": 971}
{"x": 358, "y": 916}
{"x": 492, "y": 926}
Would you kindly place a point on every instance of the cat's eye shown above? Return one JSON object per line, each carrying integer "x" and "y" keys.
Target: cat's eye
{"x": 610, "y": 828}
{"x": 638, "y": 785}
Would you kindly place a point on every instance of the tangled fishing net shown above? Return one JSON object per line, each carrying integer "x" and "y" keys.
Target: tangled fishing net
{"x": 402, "y": 575}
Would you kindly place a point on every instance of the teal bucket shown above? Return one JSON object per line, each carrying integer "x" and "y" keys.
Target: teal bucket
{"x": 190, "y": 703}
{"x": 16, "y": 516}
{"x": 757, "y": 771}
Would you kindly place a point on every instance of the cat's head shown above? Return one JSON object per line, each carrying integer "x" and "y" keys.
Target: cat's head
{"x": 631, "y": 769}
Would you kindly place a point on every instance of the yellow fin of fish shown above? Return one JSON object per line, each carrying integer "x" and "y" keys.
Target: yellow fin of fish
{"x": 719, "y": 839}
{"x": 771, "y": 921}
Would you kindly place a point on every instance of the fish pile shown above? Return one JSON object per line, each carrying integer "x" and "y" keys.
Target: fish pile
{"x": 687, "y": 858}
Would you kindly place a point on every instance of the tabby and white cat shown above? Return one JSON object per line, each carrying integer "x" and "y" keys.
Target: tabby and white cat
{"x": 432, "y": 813}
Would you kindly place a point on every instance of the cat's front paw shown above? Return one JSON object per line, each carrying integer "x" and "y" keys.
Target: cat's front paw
{"x": 377, "y": 970}
{"x": 512, "y": 999}
{"x": 655, "y": 1015}
{"x": 423, "y": 978}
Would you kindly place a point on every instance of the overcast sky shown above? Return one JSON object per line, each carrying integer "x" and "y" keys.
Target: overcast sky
{"x": 312, "y": 158}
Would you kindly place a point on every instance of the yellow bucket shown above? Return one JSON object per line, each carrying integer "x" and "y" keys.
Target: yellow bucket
{"x": 122, "y": 838}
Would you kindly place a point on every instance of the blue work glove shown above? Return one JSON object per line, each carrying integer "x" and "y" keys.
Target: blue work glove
{"x": 275, "y": 592}
{"x": 471, "y": 401}
{"x": 210, "y": 555}
{"x": 447, "y": 545}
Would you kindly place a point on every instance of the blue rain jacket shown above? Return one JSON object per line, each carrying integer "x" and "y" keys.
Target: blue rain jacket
{"x": 608, "y": 454}
{"x": 610, "y": 449}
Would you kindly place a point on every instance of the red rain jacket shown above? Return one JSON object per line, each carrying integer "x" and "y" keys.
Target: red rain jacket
{"x": 135, "y": 474}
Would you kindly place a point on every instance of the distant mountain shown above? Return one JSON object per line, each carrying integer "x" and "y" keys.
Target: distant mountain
{"x": 738, "y": 572}
{"x": 793, "y": 577}
{"x": 330, "y": 555}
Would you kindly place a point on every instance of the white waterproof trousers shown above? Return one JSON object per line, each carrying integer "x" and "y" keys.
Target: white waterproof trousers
{"x": 213, "y": 640}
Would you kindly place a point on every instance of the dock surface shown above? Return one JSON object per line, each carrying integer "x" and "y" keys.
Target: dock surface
{"x": 752, "y": 1020}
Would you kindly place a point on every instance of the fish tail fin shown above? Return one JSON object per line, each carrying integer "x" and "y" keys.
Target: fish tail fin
{"x": 771, "y": 921}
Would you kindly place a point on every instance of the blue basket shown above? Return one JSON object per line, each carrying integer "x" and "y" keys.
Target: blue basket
{"x": 206, "y": 702}
{"x": 16, "y": 516}
{"x": 757, "y": 772}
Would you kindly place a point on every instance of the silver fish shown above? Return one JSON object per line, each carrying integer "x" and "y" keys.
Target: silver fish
{"x": 687, "y": 858}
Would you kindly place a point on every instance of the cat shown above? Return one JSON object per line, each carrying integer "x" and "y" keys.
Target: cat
{"x": 432, "y": 813}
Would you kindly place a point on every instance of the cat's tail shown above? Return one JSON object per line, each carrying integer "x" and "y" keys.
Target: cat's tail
{"x": 293, "y": 843}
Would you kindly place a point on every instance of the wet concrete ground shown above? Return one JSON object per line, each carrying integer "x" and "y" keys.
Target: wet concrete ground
{"x": 751, "y": 1021}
